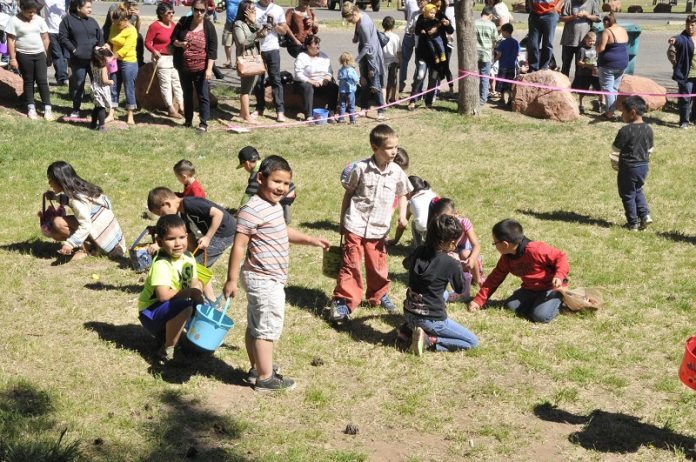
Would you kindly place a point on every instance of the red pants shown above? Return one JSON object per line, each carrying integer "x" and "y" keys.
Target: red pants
{"x": 349, "y": 284}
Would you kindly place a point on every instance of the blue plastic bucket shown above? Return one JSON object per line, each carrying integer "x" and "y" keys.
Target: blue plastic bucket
{"x": 320, "y": 116}
{"x": 209, "y": 326}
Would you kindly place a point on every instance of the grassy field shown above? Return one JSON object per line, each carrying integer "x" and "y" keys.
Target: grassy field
{"x": 76, "y": 376}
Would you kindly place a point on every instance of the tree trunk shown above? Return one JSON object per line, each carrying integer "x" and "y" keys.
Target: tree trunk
{"x": 466, "y": 53}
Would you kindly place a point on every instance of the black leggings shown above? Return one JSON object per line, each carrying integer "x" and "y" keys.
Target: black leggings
{"x": 98, "y": 115}
{"x": 33, "y": 69}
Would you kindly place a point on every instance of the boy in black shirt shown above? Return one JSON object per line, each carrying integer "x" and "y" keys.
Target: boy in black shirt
{"x": 211, "y": 227}
{"x": 634, "y": 143}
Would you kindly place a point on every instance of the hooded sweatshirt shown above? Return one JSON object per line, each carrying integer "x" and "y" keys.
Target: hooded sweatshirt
{"x": 429, "y": 273}
{"x": 79, "y": 36}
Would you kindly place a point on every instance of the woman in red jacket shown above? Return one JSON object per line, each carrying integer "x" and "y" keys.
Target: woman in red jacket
{"x": 541, "y": 267}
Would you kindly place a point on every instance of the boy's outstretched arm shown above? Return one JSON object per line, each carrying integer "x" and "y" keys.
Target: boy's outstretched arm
{"x": 241, "y": 241}
{"x": 297, "y": 237}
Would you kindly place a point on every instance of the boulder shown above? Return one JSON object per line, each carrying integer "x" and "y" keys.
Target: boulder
{"x": 153, "y": 100}
{"x": 11, "y": 86}
{"x": 545, "y": 104}
{"x": 635, "y": 84}
{"x": 663, "y": 8}
{"x": 612, "y": 6}
{"x": 635, "y": 9}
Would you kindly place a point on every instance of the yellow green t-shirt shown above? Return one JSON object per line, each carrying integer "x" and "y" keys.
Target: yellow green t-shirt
{"x": 165, "y": 271}
{"x": 123, "y": 43}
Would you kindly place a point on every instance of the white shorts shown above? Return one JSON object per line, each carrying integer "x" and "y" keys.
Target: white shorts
{"x": 266, "y": 305}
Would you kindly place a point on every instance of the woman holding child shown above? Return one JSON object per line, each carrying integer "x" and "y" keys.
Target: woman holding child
{"x": 246, "y": 34}
{"x": 612, "y": 60}
{"x": 195, "y": 50}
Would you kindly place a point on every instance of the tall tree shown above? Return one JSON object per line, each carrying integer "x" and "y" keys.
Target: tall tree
{"x": 466, "y": 53}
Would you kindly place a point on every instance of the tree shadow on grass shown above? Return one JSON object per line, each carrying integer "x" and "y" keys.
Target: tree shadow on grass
{"x": 28, "y": 430}
{"x": 128, "y": 288}
{"x": 37, "y": 248}
{"x": 317, "y": 302}
{"x": 188, "y": 362}
{"x": 676, "y": 236}
{"x": 322, "y": 225}
{"x": 616, "y": 432}
{"x": 568, "y": 217}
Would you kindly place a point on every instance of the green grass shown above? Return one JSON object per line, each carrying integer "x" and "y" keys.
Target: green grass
{"x": 75, "y": 361}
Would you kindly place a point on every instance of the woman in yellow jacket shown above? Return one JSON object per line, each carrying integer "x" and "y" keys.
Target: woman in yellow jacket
{"x": 123, "y": 38}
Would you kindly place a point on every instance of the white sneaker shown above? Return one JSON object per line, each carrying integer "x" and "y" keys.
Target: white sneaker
{"x": 75, "y": 115}
{"x": 48, "y": 113}
{"x": 31, "y": 113}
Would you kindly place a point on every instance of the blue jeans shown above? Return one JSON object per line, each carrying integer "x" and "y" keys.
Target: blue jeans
{"x": 484, "y": 69}
{"x": 630, "y": 181}
{"x": 449, "y": 334}
{"x": 272, "y": 60}
{"x": 196, "y": 80}
{"x": 347, "y": 101}
{"x": 609, "y": 80}
{"x": 60, "y": 56}
{"x": 407, "y": 45}
{"x": 127, "y": 72}
{"x": 685, "y": 111}
{"x": 542, "y": 28}
{"x": 80, "y": 70}
{"x": 538, "y": 306}
{"x": 418, "y": 78}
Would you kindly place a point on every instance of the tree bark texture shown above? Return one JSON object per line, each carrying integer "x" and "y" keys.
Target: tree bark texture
{"x": 466, "y": 54}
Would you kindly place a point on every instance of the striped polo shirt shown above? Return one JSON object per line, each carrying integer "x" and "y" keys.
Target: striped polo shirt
{"x": 268, "y": 250}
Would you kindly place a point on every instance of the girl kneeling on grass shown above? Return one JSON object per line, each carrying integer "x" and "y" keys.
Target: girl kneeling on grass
{"x": 430, "y": 270}
{"x": 93, "y": 221}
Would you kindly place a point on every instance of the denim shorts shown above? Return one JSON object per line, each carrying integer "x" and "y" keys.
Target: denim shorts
{"x": 155, "y": 317}
{"x": 266, "y": 305}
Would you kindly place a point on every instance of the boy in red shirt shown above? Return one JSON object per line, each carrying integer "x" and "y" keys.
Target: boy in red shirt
{"x": 541, "y": 267}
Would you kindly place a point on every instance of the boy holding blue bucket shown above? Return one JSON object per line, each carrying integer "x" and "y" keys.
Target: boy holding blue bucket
{"x": 172, "y": 287}
{"x": 263, "y": 237}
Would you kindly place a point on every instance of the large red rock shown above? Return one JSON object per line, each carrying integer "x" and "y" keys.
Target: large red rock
{"x": 635, "y": 84}
{"x": 11, "y": 86}
{"x": 545, "y": 104}
{"x": 153, "y": 100}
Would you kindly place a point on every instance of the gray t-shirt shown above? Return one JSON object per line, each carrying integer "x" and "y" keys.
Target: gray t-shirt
{"x": 586, "y": 56}
{"x": 575, "y": 31}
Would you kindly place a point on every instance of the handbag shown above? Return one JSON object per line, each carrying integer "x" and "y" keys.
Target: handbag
{"x": 250, "y": 65}
{"x": 47, "y": 214}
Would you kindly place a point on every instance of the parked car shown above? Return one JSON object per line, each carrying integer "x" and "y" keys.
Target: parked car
{"x": 362, "y": 4}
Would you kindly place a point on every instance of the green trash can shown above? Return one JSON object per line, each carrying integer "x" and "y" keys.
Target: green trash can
{"x": 633, "y": 31}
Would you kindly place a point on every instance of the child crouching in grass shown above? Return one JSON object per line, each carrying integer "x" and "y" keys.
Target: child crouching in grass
{"x": 541, "y": 267}
{"x": 172, "y": 288}
{"x": 430, "y": 271}
{"x": 263, "y": 237}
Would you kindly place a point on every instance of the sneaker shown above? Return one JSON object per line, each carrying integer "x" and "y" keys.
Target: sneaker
{"x": 339, "y": 311}
{"x": 387, "y": 304}
{"x": 48, "y": 113}
{"x": 645, "y": 221}
{"x": 632, "y": 227}
{"x": 252, "y": 376}
{"x": 31, "y": 112}
{"x": 419, "y": 341}
{"x": 165, "y": 354}
{"x": 684, "y": 125}
{"x": 256, "y": 115}
{"x": 276, "y": 382}
{"x": 280, "y": 117}
{"x": 381, "y": 116}
{"x": 202, "y": 129}
{"x": 75, "y": 115}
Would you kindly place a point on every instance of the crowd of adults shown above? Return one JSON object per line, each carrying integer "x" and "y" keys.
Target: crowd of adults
{"x": 185, "y": 52}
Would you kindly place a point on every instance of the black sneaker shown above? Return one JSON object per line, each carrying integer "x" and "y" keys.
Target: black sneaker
{"x": 253, "y": 375}
{"x": 165, "y": 354}
{"x": 645, "y": 221}
{"x": 276, "y": 382}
